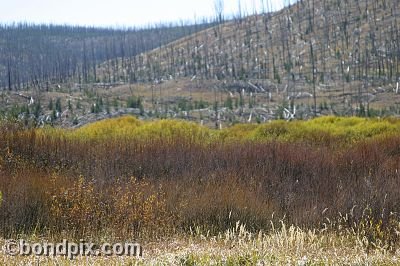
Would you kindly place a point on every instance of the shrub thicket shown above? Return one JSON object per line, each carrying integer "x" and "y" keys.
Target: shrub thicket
{"x": 128, "y": 177}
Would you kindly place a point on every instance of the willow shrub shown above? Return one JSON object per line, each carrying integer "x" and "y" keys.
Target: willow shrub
{"x": 324, "y": 130}
{"x": 331, "y": 130}
{"x": 130, "y": 177}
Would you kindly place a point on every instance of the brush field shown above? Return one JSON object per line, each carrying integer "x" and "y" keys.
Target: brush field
{"x": 323, "y": 191}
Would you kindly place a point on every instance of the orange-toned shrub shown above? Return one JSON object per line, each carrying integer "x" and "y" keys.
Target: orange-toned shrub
{"x": 123, "y": 208}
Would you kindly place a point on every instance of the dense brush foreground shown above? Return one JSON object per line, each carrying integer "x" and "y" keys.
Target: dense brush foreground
{"x": 127, "y": 178}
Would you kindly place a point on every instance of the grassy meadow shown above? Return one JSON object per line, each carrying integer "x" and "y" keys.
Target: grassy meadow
{"x": 323, "y": 191}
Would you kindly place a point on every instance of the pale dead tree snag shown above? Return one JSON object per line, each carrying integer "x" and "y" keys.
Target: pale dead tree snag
{"x": 366, "y": 79}
{"x": 219, "y": 10}
{"x": 313, "y": 70}
{"x": 263, "y": 6}
{"x": 240, "y": 12}
{"x": 92, "y": 49}
{"x": 9, "y": 74}
{"x": 85, "y": 67}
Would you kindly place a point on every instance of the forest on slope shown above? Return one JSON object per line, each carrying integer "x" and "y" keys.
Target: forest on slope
{"x": 35, "y": 56}
{"x": 347, "y": 49}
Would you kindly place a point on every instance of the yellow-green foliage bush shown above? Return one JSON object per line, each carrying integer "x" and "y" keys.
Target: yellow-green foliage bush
{"x": 326, "y": 129}
{"x": 237, "y": 132}
{"x": 329, "y": 129}
{"x": 118, "y": 127}
{"x": 277, "y": 130}
{"x": 131, "y": 128}
{"x": 169, "y": 129}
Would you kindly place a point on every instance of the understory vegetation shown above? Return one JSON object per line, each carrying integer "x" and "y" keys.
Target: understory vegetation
{"x": 125, "y": 178}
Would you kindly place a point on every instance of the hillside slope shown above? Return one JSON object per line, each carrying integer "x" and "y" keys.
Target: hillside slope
{"x": 36, "y": 55}
{"x": 340, "y": 54}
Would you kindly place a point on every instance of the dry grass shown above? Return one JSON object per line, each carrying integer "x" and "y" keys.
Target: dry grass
{"x": 287, "y": 245}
